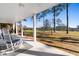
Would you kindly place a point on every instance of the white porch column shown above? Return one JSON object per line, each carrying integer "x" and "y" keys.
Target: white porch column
{"x": 13, "y": 27}
{"x": 21, "y": 28}
{"x": 16, "y": 29}
{"x": 34, "y": 27}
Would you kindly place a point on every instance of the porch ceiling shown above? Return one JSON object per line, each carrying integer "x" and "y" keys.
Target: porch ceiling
{"x": 12, "y": 12}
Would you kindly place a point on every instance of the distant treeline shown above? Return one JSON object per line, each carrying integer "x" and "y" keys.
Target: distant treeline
{"x": 58, "y": 28}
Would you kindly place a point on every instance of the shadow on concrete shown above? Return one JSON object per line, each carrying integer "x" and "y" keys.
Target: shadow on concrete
{"x": 38, "y": 53}
{"x": 31, "y": 52}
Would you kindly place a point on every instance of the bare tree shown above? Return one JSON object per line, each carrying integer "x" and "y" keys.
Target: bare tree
{"x": 56, "y": 10}
{"x": 46, "y": 24}
{"x": 59, "y": 22}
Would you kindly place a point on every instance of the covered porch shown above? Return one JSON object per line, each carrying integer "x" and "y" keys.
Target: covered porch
{"x": 13, "y": 13}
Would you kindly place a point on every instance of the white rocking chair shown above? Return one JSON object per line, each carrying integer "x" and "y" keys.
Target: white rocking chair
{"x": 10, "y": 42}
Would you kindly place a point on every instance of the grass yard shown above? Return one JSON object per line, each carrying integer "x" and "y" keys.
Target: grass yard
{"x": 58, "y": 34}
{"x": 28, "y": 33}
{"x": 71, "y": 39}
{"x": 69, "y": 44}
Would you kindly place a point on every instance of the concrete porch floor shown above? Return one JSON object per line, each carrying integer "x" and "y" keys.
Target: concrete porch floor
{"x": 38, "y": 49}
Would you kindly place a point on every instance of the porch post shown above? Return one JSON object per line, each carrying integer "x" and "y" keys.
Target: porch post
{"x": 21, "y": 29}
{"x": 16, "y": 29}
{"x": 34, "y": 27}
{"x": 13, "y": 27}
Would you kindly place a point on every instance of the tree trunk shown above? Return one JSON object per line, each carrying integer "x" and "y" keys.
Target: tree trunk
{"x": 51, "y": 30}
{"x": 67, "y": 18}
{"x": 54, "y": 21}
{"x": 43, "y": 25}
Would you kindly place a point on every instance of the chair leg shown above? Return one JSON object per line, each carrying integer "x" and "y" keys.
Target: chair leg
{"x": 7, "y": 46}
{"x": 12, "y": 47}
